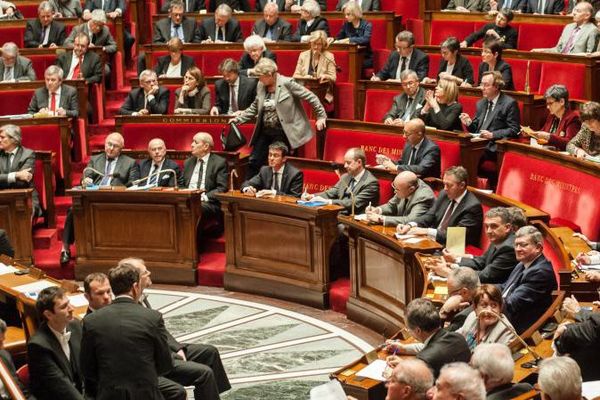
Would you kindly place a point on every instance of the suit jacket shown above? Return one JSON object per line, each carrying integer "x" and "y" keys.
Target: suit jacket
{"x": 399, "y": 105}
{"x": 552, "y": 6}
{"x": 123, "y": 351}
{"x": 260, "y": 5}
{"x": 319, "y": 24}
{"x": 501, "y": 66}
{"x": 360, "y": 36}
{"x": 288, "y": 98}
{"x": 22, "y": 69}
{"x": 471, "y": 5}
{"x": 126, "y": 168}
{"x": 68, "y": 9}
{"x": 234, "y": 4}
{"x": 33, "y": 33}
{"x": 505, "y": 121}
{"x": 446, "y": 119}
{"x": 52, "y": 375}
{"x": 281, "y": 29}
{"x": 515, "y": 5}
{"x": 25, "y": 158}
{"x": 198, "y": 104}
{"x": 419, "y": 62}
{"x": 326, "y": 66}
{"x": 401, "y": 211}
{"x": 581, "y": 341}
{"x": 8, "y": 362}
{"x": 496, "y": 264}
{"x": 135, "y": 102}
{"x": 5, "y": 246}
{"x": 443, "y": 348}
{"x": 425, "y": 163}
{"x": 216, "y": 175}
{"x": 165, "y": 179}
{"x": 68, "y": 101}
{"x": 509, "y": 34}
{"x": 508, "y": 391}
{"x": 233, "y": 31}
{"x": 366, "y": 5}
{"x": 162, "y": 64}
{"x": 528, "y": 293}
{"x": 567, "y": 128}
{"x": 109, "y": 5}
{"x": 91, "y": 68}
{"x": 162, "y": 30}
{"x": 102, "y": 39}
{"x": 585, "y": 42}
{"x": 462, "y": 68}
{"x": 291, "y": 180}
{"x": 365, "y": 191}
{"x": 245, "y": 95}
{"x": 192, "y": 6}
{"x": 467, "y": 213}
{"x": 246, "y": 62}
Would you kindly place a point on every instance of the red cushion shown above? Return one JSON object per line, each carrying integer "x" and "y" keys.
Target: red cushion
{"x": 379, "y": 58}
{"x": 557, "y": 222}
{"x": 568, "y": 74}
{"x": 12, "y": 34}
{"x": 246, "y": 26}
{"x": 309, "y": 150}
{"x": 434, "y": 64}
{"x": 553, "y": 255}
{"x": 416, "y": 26}
{"x": 44, "y": 137}
{"x": 475, "y": 61}
{"x": 28, "y": 10}
{"x": 212, "y": 59}
{"x": 338, "y": 141}
{"x": 385, "y": 190}
{"x": 440, "y": 30}
{"x": 23, "y": 374}
{"x": 15, "y": 101}
{"x": 316, "y": 180}
{"x": 530, "y": 37}
{"x": 377, "y": 104}
{"x": 519, "y": 73}
{"x": 476, "y": 251}
{"x": 406, "y": 8}
{"x": 342, "y": 61}
{"x": 339, "y": 293}
{"x": 286, "y": 61}
{"x": 344, "y": 109}
{"x": 469, "y": 104}
{"x": 379, "y": 33}
{"x": 450, "y": 154}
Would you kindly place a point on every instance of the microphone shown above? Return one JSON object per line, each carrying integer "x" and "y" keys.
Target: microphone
{"x": 353, "y": 203}
{"x": 332, "y": 61}
{"x": 92, "y": 170}
{"x": 537, "y": 358}
{"x": 146, "y": 178}
{"x": 231, "y": 174}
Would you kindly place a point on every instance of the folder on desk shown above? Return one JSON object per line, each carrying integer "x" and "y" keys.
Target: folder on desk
{"x": 455, "y": 239}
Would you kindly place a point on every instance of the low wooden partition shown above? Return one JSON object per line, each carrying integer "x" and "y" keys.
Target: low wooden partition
{"x": 157, "y": 225}
{"x": 15, "y": 218}
{"x": 277, "y": 248}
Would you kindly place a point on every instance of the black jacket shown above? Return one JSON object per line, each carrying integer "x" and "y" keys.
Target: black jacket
{"x": 162, "y": 64}
{"x": 462, "y": 69}
{"x": 319, "y": 24}
{"x": 496, "y": 264}
{"x": 443, "y": 348}
{"x": 33, "y": 33}
{"x": 291, "y": 180}
{"x": 216, "y": 175}
{"x": 135, "y": 102}
{"x": 245, "y": 95}
{"x": 419, "y": 62}
{"x": 581, "y": 341}
{"x": 164, "y": 179}
{"x": 426, "y": 161}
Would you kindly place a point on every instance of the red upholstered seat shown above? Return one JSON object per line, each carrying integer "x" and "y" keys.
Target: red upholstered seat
{"x": 343, "y": 64}
{"x": 385, "y": 189}
{"x": 331, "y": 5}
{"x": 406, "y": 8}
{"x": 475, "y": 61}
{"x": 476, "y": 251}
{"x": 40, "y": 184}
{"x": 377, "y": 103}
{"x": 440, "y": 30}
{"x": 519, "y": 71}
{"x": 28, "y": 10}
{"x": 12, "y": 34}
{"x": 378, "y": 34}
{"x": 309, "y": 150}
{"x": 45, "y": 137}
{"x": 339, "y": 293}
{"x": 416, "y": 26}
{"x": 335, "y": 25}
{"x": 434, "y": 64}
{"x": 23, "y": 374}
{"x": 555, "y": 222}
{"x": 316, "y": 180}
{"x": 246, "y": 26}
{"x": 553, "y": 255}
{"x": 338, "y": 141}
{"x": 379, "y": 58}
{"x": 286, "y": 61}
{"x": 212, "y": 59}
{"x": 15, "y": 101}
{"x": 530, "y": 38}
{"x": 469, "y": 104}
{"x": 344, "y": 109}
{"x": 450, "y": 154}
{"x": 568, "y": 74}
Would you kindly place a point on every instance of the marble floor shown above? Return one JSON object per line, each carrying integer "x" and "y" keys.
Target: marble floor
{"x": 269, "y": 351}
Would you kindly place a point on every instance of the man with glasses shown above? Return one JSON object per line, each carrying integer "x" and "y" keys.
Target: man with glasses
{"x": 13, "y": 67}
{"x": 110, "y": 168}
{"x": 412, "y": 198}
{"x": 406, "y": 103}
{"x": 406, "y": 57}
{"x": 420, "y": 155}
{"x": 147, "y": 99}
{"x": 410, "y": 380}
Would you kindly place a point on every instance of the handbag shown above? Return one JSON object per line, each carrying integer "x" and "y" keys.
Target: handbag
{"x": 234, "y": 139}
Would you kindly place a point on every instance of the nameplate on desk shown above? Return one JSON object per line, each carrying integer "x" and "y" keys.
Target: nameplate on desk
{"x": 311, "y": 203}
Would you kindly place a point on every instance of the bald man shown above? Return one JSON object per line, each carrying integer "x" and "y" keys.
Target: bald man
{"x": 412, "y": 198}
{"x": 155, "y": 168}
{"x": 410, "y": 380}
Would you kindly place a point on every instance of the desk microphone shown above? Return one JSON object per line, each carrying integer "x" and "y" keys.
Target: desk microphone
{"x": 231, "y": 174}
{"x": 536, "y": 356}
{"x": 92, "y": 170}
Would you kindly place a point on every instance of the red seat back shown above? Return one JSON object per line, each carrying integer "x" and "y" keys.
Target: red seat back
{"x": 338, "y": 141}
{"x": 343, "y": 64}
{"x": 316, "y": 180}
{"x": 379, "y": 58}
{"x": 440, "y": 30}
{"x": 377, "y": 104}
{"x": 533, "y": 36}
{"x": 286, "y": 61}
{"x": 568, "y": 74}
{"x": 450, "y": 153}
{"x": 41, "y": 62}
{"x": 553, "y": 255}
{"x": 434, "y": 64}
{"x": 15, "y": 101}
{"x": 378, "y": 33}
{"x": 47, "y": 138}
{"x": 12, "y": 34}
{"x": 416, "y": 26}
{"x": 344, "y": 109}
{"x": 519, "y": 73}
{"x": 385, "y": 189}
{"x": 246, "y": 26}
{"x": 406, "y": 8}
{"x": 469, "y": 104}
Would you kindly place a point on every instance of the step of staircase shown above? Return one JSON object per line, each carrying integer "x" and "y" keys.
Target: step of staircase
{"x": 63, "y": 203}
{"x": 44, "y": 238}
{"x": 211, "y": 269}
{"x": 48, "y": 260}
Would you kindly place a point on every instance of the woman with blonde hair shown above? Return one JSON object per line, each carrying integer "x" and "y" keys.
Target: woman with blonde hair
{"x": 194, "y": 96}
{"x": 356, "y": 30}
{"x": 255, "y": 50}
{"x": 441, "y": 109}
{"x": 317, "y": 63}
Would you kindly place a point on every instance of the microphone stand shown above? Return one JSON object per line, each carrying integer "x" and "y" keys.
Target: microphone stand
{"x": 94, "y": 171}
{"x": 231, "y": 174}
{"x": 158, "y": 173}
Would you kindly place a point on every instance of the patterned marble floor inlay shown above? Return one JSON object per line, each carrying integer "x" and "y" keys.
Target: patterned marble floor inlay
{"x": 269, "y": 353}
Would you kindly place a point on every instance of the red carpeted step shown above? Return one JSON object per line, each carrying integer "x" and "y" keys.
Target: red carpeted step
{"x": 62, "y": 204}
{"x": 48, "y": 260}
{"x": 339, "y": 293}
{"x": 211, "y": 269}
{"x": 44, "y": 238}
{"x": 215, "y": 245}
{"x": 119, "y": 94}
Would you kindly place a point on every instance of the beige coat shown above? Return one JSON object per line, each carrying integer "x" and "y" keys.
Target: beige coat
{"x": 325, "y": 68}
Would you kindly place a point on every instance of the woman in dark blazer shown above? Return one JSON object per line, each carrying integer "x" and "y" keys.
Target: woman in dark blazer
{"x": 500, "y": 30}
{"x": 309, "y": 12}
{"x": 194, "y": 96}
{"x": 491, "y": 60}
{"x": 453, "y": 66}
{"x": 562, "y": 123}
{"x": 356, "y": 30}
{"x": 176, "y": 64}
{"x": 255, "y": 50}
{"x": 441, "y": 110}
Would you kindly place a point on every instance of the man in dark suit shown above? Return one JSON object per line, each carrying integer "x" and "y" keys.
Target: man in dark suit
{"x": 149, "y": 98}
{"x": 55, "y": 98}
{"x": 7, "y": 360}
{"x": 17, "y": 164}
{"x": 80, "y": 63}
{"x": 581, "y": 341}
{"x": 237, "y": 5}
{"x": 406, "y": 57}
{"x": 279, "y": 176}
{"x": 5, "y": 246}
{"x": 412, "y": 198}
{"x": 244, "y": 90}
{"x": 53, "y": 351}
{"x": 357, "y": 180}
{"x": 310, "y": 21}
{"x": 110, "y": 168}
{"x": 441, "y": 348}
{"x": 528, "y": 290}
{"x": 544, "y": 6}
{"x": 13, "y": 67}
{"x": 455, "y": 206}
{"x": 151, "y": 168}
{"x": 272, "y": 28}
{"x": 405, "y": 104}
{"x": 514, "y": 5}
{"x": 97, "y": 291}
{"x": 44, "y": 31}
{"x": 207, "y": 172}
{"x": 220, "y": 28}
{"x": 124, "y": 346}
{"x": 261, "y": 5}
{"x": 176, "y": 25}
{"x": 112, "y": 8}
{"x": 420, "y": 154}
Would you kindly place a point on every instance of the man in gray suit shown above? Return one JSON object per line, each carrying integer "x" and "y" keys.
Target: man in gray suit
{"x": 412, "y": 198}
{"x": 176, "y": 25}
{"x": 405, "y": 104}
{"x": 579, "y": 36}
{"x": 279, "y": 113}
{"x": 13, "y": 67}
{"x": 272, "y": 28}
{"x": 81, "y": 63}
{"x": 97, "y": 31}
{"x": 55, "y": 98}
{"x": 366, "y": 5}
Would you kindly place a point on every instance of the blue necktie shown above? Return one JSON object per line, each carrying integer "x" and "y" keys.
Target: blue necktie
{"x": 107, "y": 175}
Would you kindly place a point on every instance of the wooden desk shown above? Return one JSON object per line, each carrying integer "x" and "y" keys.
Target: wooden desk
{"x": 15, "y": 218}
{"x": 277, "y": 248}
{"x": 384, "y": 275}
{"x": 157, "y": 225}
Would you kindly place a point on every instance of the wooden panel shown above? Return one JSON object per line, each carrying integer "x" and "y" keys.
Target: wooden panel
{"x": 15, "y": 218}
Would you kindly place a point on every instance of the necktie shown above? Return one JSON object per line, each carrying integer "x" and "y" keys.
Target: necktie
{"x": 569, "y": 45}
{"x": 77, "y": 69}
{"x": 200, "y": 172}
{"x": 402, "y": 67}
{"x": 446, "y": 220}
{"x": 542, "y": 6}
{"x": 233, "y": 98}
{"x": 178, "y": 34}
{"x": 154, "y": 178}
{"x": 220, "y": 34}
{"x": 408, "y": 110}
{"x": 43, "y": 38}
{"x": 276, "y": 181}
{"x": 107, "y": 175}
{"x": 8, "y": 73}
{"x": 53, "y": 102}
{"x": 412, "y": 155}
{"x": 488, "y": 111}
{"x": 350, "y": 187}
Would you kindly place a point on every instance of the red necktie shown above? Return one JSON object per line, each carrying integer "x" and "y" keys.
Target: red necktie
{"x": 53, "y": 103}
{"x": 77, "y": 70}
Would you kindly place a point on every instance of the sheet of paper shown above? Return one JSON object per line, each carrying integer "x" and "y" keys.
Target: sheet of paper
{"x": 441, "y": 290}
{"x": 455, "y": 239}
{"x": 34, "y": 287}
{"x": 7, "y": 269}
{"x": 374, "y": 370}
{"x": 589, "y": 267}
{"x": 360, "y": 217}
{"x": 78, "y": 300}
{"x": 591, "y": 389}
{"x": 415, "y": 240}
{"x": 331, "y": 390}
{"x": 404, "y": 237}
